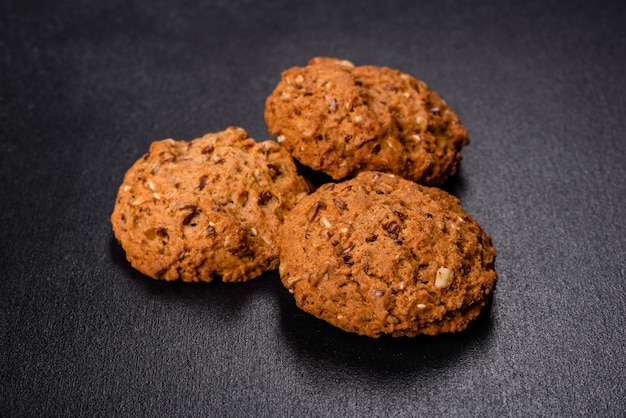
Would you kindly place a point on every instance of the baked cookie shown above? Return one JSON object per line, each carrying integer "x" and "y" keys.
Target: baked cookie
{"x": 379, "y": 254}
{"x": 214, "y": 206}
{"x": 341, "y": 119}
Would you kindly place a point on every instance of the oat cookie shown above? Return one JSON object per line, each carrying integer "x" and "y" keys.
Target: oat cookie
{"x": 341, "y": 119}
{"x": 379, "y": 254}
{"x": 211, "y": 207}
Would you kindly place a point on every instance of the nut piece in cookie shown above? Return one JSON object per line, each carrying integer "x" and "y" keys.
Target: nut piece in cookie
{"x": 379, "y": 254}
{"x": 206, "y": 208}
{"x": 343, "y": 119}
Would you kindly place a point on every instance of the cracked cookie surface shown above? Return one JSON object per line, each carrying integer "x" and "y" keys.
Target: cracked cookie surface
{"x": 379, "y": 254}
{"x": 341, "y": 119}
{"x": 206, "y": 208}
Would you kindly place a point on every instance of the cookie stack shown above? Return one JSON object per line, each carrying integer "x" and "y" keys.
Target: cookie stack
{"x": 379, "y": 250}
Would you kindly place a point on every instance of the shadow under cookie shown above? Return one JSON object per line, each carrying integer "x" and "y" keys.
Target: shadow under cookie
{"x": 325, "y": 347}
{"x": 226, "y": 299}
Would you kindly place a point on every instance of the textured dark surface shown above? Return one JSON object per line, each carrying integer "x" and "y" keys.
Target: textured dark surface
{"x": 86, "y": 86}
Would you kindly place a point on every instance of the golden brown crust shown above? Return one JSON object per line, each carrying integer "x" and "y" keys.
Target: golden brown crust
{"x": 214, "y": 206}
{"x": 378, "y": 254}
{"x": 342, "y": 119}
